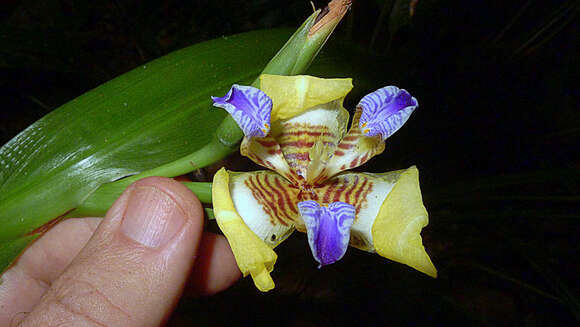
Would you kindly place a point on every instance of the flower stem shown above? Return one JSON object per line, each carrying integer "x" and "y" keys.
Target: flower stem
{"x": 99, "y": 202}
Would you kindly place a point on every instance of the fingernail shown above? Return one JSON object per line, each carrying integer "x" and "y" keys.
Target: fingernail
{"x": 152, "y": 217}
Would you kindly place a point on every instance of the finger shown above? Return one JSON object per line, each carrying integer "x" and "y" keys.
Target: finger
{"x": 24, "y": 283}
{"x": 215, "y": 268}
{"x": 133, "y": 269}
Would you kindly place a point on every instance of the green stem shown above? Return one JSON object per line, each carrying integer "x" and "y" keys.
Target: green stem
{"x": 99, "y": 202}
{"x": 201, "y": 190}
{"x": 203, "y": 157}
{"x": 209, "y": 213}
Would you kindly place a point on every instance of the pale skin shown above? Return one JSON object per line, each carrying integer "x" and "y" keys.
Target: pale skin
{"x": 116, "y": 271}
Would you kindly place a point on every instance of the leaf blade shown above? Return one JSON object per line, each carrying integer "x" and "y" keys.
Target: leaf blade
{"x": 112, "y": 131}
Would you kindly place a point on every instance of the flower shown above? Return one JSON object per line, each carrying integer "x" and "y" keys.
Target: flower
{"x": 296, "y": 127}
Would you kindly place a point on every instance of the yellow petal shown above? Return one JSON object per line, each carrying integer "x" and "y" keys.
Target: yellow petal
{"x": 397, "y": 229}
{"x": 252, "y": 255}
{"x": 292, "y": 95}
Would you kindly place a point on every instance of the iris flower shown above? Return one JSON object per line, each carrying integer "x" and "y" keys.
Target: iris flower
{"x": 296, "y": 126}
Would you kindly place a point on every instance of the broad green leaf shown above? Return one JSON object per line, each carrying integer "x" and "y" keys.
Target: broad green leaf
{"x": 154, "y": 114}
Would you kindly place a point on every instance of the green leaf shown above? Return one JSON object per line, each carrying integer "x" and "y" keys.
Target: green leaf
{"x": 154, "y": 114}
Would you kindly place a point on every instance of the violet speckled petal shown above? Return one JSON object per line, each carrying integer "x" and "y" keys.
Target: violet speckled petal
{"x": 250, "y": 108}
{"x": 328, "y": 229}
{"x": 385, "y": 110}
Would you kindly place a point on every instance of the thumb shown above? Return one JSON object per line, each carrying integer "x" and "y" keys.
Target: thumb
{"x": 133, "y": 269}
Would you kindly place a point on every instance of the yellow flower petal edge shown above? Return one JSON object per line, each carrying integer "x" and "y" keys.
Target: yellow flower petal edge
{"x": 292, "y": 95}
{"x": 396, "y": 231}
{"x": 253, "y": 256}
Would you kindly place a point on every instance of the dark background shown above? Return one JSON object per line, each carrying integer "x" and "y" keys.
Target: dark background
{"x": 495, "y": 138}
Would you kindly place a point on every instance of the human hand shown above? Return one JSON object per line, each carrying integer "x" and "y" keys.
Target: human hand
{"x": 127, "y": 269}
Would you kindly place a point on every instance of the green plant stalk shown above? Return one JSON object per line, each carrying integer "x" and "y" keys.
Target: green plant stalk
{"x": 105, "y": 195}
{"x": 99, "y": 203}
{"x": 293, "y": 58}
{"x": 209, "y": 213}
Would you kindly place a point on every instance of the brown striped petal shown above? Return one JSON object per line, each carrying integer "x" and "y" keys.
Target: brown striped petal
{"x": 299, "y": 148}
{"x": 365, "y": 191}
{"x": 354, "y": 150}
{"x": 309, "y": 140}
{"x": 253, "y": 256}
{"x": 266, "y": 152}
{"x": 267, "y": 204}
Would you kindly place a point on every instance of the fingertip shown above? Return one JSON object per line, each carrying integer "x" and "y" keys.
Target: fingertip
{"x": 215, "y": 268}
{"x": 179, "y": 192}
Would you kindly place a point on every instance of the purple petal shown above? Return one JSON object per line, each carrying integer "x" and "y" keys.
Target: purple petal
{"x": 385, "y": 110}
{"x": 328, "y": 229}
{"x": 250, "y": 108}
